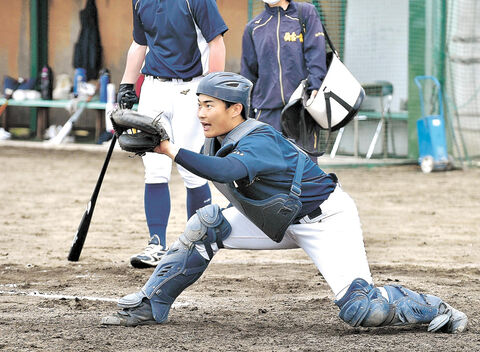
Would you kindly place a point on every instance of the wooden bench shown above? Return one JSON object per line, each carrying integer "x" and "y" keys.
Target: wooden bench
{"x": 43, "y": 107}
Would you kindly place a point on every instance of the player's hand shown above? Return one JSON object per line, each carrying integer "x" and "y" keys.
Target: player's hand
{"x": 312, "y": 97}
{"x": 167, "y": 148}
{"x": 126, "y": 96}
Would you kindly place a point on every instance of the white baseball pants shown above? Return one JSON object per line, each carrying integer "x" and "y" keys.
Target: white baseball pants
{"x": 178, "y": 101}
{"x": 335, "y": 244}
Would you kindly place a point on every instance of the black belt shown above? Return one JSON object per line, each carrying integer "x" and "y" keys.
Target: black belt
{"x": 311, "y": 217}
{"x": 314, "y": 215}
{"x": 170, "y": 79}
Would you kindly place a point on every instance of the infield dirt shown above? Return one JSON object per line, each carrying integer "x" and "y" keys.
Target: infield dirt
{"x": 421, "y": 231}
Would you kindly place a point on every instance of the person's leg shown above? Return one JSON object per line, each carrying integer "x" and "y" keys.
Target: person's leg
{"x": 187, "y": 259}
{"x": 336, "y": 246}
{"x": 157, "y": 175}
{"x": 180, "y": 267}
{"x": 197, "y": 198}
{"x": 366, "y": 305}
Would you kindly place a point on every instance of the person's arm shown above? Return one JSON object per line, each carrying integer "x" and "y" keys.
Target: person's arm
{"x": 135, "y": 57}
{"x": 314, "y": 48}
{"x": 212, "y": 168}
{"x": 249, "y": 62}
{"x": 217, "y": 54}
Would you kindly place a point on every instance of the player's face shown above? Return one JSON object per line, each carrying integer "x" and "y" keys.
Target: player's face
{"x": 216, "y": 118}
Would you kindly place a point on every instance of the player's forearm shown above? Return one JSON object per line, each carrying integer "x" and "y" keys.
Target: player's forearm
{"x": 135, "y": 58}
{"x": 217, "y": 54}
{"x": 210, "y": 167}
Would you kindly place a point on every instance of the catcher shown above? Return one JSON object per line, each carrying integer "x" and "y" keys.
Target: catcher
{"x": 281, "y": 200}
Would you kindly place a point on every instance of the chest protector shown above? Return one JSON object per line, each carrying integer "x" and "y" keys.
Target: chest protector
{"x": 272, "y": 215}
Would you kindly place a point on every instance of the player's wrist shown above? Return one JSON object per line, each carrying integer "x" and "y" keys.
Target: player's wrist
{"x": 173, "y": 151}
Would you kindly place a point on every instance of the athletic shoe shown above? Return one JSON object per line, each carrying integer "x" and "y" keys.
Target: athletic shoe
{"x": 451, "y": 321}
{"x": 4, "y": 135}
{"x": 140, "y": 315}
{"x": 151, "y": 256}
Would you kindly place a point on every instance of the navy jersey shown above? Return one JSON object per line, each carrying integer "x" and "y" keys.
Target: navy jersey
{"x": 262, "y": 165}
{"x": 271, "y": 162}
{"x": 177, "y": 33}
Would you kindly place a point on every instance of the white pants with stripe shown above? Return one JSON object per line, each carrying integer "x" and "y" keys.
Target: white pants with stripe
{"x": 178, "y": 102}
{"x": 335, "y": 244}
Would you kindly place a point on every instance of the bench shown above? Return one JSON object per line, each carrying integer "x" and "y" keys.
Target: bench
{"x": 43, "y": 107}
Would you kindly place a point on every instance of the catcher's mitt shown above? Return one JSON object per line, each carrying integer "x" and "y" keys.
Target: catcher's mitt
{"x": 137, "y": 133}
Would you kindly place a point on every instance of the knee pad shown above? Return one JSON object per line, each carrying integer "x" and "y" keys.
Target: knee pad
{"x": 364, "y": 305}
{"x": 207, "y": 226}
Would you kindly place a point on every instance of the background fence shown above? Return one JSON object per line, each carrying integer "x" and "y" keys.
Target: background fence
{"x": 394, "y": 41}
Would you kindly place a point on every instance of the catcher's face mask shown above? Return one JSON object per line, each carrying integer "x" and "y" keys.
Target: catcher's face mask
{"x": 216, "y": 118}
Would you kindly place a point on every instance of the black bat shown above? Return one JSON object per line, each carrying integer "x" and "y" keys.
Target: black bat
{"x": 82, "y": 231}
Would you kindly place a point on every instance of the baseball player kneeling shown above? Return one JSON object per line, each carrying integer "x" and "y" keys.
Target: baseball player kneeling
{"x": 281, "y": 200}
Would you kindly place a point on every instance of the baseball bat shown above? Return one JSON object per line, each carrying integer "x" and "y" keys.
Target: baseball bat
{"x": 67, "y": 128}
{"x": 82, "y": 231}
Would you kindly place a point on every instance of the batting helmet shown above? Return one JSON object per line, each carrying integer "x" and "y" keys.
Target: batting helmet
{"x": 227, "y": 86}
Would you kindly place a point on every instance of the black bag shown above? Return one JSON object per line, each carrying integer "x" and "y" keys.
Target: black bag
{"x": 88, "y": 49}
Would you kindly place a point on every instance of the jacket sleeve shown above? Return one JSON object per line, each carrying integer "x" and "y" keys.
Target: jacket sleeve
{"x": 249, "y": 63}
{"x": 314, "y": 48}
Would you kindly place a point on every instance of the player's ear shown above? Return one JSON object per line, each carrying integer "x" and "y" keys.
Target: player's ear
{"x": 236, "y": 109}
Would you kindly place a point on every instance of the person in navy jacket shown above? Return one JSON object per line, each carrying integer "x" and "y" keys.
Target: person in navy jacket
{"x": 277, "y": 55}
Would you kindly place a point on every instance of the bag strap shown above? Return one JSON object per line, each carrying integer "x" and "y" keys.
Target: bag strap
{"x": 303, "y": 26}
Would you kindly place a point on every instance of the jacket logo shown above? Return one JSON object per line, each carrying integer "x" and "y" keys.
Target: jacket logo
{"x": 292, "y": 37}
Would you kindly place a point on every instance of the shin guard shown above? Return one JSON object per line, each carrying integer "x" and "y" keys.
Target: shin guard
{"x": 364, "y": 305}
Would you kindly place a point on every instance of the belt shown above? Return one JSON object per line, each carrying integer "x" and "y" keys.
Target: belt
{"x": 312, "y": 217}
{"x": 170, "y": 79}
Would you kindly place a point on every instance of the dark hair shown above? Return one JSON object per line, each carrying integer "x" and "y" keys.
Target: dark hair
{"x": 229, "y": 103}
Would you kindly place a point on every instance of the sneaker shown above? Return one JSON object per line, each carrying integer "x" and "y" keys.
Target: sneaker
{"x": 140, "y": 315}
{"x": 4, "y": 135}
{"x": 151, "y": 256}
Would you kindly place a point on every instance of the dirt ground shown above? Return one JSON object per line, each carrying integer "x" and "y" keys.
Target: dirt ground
{"x": 421, "y": 231}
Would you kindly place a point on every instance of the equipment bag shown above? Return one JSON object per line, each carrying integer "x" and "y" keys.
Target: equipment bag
{"x": 336, "y": 103}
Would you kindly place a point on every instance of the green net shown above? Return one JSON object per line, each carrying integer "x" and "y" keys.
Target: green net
{"x": 462, "y": 67}
{"x": 391, "y": 42}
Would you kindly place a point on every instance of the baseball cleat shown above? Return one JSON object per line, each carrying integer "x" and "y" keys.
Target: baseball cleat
{"x": 451, "y": 321}
{"x": 151, "y": 255}
{"x": 140, "y": 315}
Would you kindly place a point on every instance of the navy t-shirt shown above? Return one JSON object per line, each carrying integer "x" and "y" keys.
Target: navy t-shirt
{"x": 177, "y": 34}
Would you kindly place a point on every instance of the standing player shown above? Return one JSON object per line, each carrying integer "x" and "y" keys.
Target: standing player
{"x": 277, "y": 54}
{"x": 278, "y": 193}
{"x": 176, "y": 42}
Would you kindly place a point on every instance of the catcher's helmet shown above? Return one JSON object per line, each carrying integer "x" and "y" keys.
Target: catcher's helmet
{"x": 227, "y": 86}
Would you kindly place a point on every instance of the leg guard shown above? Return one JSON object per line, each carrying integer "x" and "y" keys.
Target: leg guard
{"x": 182, "y": 265}
{"x": 364, "y": 305}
